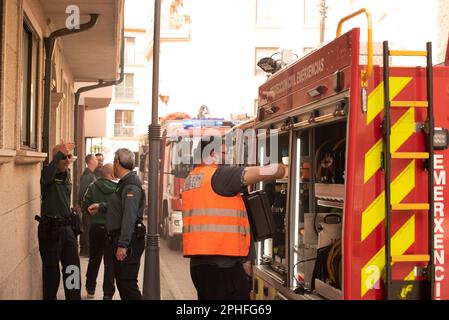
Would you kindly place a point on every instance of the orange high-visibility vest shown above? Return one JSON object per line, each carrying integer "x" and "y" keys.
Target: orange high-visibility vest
{"x": 212, "y": 224}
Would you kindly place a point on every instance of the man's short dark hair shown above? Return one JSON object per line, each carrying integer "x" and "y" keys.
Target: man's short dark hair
{"x": 99, "y": 155}
{"x": 205, "y": 141}
{"x": 89, "y": 157}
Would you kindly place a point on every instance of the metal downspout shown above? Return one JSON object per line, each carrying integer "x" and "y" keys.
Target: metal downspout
{"x": 100, "y": 84}
{"x": 49, "y": 43}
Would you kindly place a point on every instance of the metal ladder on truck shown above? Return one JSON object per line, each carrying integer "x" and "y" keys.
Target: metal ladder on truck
{"x": 409, "y": 289}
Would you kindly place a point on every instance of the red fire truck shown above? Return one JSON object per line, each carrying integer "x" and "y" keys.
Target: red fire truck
{"x": 176, "y": 135}
{"x": 362, "y": 214}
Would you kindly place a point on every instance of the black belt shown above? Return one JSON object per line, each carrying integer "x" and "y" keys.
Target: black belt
{"x": 53, "y": 221}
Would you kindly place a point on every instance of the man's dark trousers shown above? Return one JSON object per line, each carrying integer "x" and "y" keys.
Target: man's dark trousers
{"x": 215, "y": 283}
{"x": 84, "y": 237}
{"x": 99, "y": 247}
{"x": 126, "y": 271}
{"x": 58, "y": 244}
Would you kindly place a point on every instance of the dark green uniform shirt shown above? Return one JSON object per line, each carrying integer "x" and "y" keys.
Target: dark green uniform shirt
{"x": 124, "y": 208}
{"x": 56, "y": 188}
{"x": 86, "y": 179}
{"x": 98, "y": 172}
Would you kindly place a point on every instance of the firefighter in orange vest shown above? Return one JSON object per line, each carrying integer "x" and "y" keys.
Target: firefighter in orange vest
{"x": 216, "y": 231}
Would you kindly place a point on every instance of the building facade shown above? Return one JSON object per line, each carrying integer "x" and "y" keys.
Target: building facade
{"x": 25, "y": 139}
{"x": 210, "y": 49}
{"x": 443, "y": 28}
{"x": 127, "y": 117}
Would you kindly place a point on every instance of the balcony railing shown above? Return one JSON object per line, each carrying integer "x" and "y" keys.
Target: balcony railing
{"x": 126, "y": 93}
{"x": 130, "y": 58}
{"x": 124, "y": 130}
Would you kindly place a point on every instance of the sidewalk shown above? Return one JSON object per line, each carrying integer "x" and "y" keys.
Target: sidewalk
{"x": 175, "y": 277}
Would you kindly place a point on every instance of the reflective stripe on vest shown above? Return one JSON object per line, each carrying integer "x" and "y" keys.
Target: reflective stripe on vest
{"x": 215, "y": 228}
{"x": 213, "y": 224}
{"x": 215, "y": 212}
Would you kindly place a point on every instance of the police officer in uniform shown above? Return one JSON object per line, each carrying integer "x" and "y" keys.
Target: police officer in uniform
{"x": 86, "y": 179}
{"x": 57, "y": 241}
{"x": 216, "y": 231}
{"x": 124, "y": 224}
{"x": 100, "y": 160}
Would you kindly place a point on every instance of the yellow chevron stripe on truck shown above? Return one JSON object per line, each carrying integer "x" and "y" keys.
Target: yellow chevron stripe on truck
{"x": 400, "y": 242}
{"x": 376, "y": 97}
{"x": 410, "y": 276}
{"x": 401, "y": 131}
{"x": 400, "y": 188}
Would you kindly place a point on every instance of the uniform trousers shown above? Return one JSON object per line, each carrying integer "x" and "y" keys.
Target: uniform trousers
{"x": 58, "y": 245}
{"x": 215, "y": 283}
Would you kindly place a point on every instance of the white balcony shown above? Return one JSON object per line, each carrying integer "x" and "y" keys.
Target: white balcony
{"x": 126, "y": 93}
{"x": 125, "y": 130}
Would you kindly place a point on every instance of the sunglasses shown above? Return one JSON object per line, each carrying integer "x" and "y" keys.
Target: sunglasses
{"x": 69, "y": 156}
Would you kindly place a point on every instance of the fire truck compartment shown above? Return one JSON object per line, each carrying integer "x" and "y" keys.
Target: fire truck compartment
{"x": 306, "y": 247}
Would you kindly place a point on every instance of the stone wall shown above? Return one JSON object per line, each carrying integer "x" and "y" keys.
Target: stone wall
{"x": 20, "y": 263}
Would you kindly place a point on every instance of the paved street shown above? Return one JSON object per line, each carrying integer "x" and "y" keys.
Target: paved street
{"x": 175, "y": 277}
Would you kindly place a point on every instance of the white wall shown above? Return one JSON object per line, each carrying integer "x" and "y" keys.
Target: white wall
{"x": 216, "y": 67}
{"x": 406, "y": 25}
{"x": 136, "y": 20}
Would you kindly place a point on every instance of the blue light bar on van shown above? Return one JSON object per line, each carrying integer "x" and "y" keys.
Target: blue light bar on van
{"x": 202, "y": 123}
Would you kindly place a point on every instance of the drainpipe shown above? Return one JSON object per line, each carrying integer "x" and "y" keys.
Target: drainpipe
{"x": 100, "y": 84}
{"x": 49, "y": 43}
